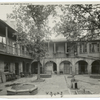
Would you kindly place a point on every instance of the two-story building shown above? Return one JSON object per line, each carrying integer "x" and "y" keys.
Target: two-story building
{"x": 66, "y": 57}
{"x": 14, "y": 58}
{"x": 78, "y": 57}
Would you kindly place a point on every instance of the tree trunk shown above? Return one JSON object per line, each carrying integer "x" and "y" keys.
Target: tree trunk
{"x": 38, "y": 75}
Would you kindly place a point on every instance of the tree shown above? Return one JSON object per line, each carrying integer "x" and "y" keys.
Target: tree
{"x": 32, "y": 22}
{"x": 39, "y": 14}
{"x": 80, "y": 21}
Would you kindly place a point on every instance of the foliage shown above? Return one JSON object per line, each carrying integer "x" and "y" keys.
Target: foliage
{"x": 40, "y": 14}
{"x": 80, "y": 21}
{"x": 31, "y": 24}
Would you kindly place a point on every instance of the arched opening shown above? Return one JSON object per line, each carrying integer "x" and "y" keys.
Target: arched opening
{"x": 82, "y": 67}
{"x": 51, "y": 66}
{"x": 65, "y": 67}
{"x": 34, "y": 67}
{"x": 96, "y": 67}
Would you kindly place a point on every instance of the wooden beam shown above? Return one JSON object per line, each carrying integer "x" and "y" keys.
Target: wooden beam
{"x": 6, "y": 30}
{"x": 54, "y": 47}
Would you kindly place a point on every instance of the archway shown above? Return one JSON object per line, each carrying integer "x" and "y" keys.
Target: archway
{"x": 81, "y": 67}
{"x": 51, "y": 66}
{"x": 65, "y": 67}
{"x": 34, "y": 67}
{"x": 96, "y": 67}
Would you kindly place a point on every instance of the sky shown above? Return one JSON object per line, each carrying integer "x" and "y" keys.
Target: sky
{"x": 4, "y": 9}
{"x": 7, "y": 9}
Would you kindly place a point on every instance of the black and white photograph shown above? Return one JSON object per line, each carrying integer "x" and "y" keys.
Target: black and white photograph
{"x": 49, "y": 49}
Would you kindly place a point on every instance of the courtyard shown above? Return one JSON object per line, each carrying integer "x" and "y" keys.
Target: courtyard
{"x": 57, "y": 85}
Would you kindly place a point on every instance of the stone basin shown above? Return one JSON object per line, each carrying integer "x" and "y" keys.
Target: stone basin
{"x": 22, "y": 89}
{"x": 45, "y": 75}
{"x": 96, "y": 76}
{"x": 83, "y": 92}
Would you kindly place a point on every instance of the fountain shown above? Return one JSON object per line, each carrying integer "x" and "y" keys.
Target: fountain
{"x": 22, "y": 89}
{"x": 76, "y": 90}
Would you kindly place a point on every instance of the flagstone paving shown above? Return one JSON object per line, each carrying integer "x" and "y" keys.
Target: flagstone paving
{"x": 85, "y": 82}
{"x": 57, "y": 84}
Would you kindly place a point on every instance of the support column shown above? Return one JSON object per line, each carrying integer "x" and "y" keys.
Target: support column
{"x": 38, "y": 75}
{"x": 65, "y": 47}
{"x": 30, "y": 67}
{"x": 48, "y": 47}
{"x": 70, "y": 69}
{"x": 57, "y": 68}
{"x": 43, "y": 66}
{"x": 99, "y": 47}
{"x": 73, "y": 67}
{"x": 18, "y": 47}
{"x": 13, "y": 68}
{"x": 87, "y": 48}
{"x": 89, "y": 68}
{"x": 6, "y": 39}
{"x": 20, "y": 67}
{"x": 58, "y": 64}
{"x": 24, "y": 67}
{"x": 82, "y": 47}
{"x": 76, "y": 68}
{"x": 90, "y": 47}
{"x": 54, "y": 47}
{"x": 78, "y": 48}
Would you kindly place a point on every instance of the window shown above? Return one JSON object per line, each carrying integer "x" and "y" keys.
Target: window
{"x": 2, "y": 40}
{"x": 60, "y": 47}
{"x": 84, "y": 47}
{"x": 93, "y": 50}
{"x": 57, "y": 47}
{"x": 15, "y": 45}
{"x": 94, "y": 47}
{"x": 6, "y": 67}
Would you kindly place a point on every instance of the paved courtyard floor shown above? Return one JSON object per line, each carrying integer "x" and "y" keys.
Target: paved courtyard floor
{"x": 87, "y": 83}
{"x": 57, "y": 84}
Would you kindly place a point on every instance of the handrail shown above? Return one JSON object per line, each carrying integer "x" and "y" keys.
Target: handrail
{"x": 14, "y": 50}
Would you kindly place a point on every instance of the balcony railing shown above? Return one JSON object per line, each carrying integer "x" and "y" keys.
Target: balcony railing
{"x": 60, "y": 54}
{"x": 14, "y": 51}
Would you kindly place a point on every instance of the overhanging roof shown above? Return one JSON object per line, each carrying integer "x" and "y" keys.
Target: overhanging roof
{"x": 11, "y": 31}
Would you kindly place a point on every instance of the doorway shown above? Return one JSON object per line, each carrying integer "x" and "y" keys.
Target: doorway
{"x": 96, "y": 67}
{"x": 82, "y": 67}
{"x": 34, "y": 67}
